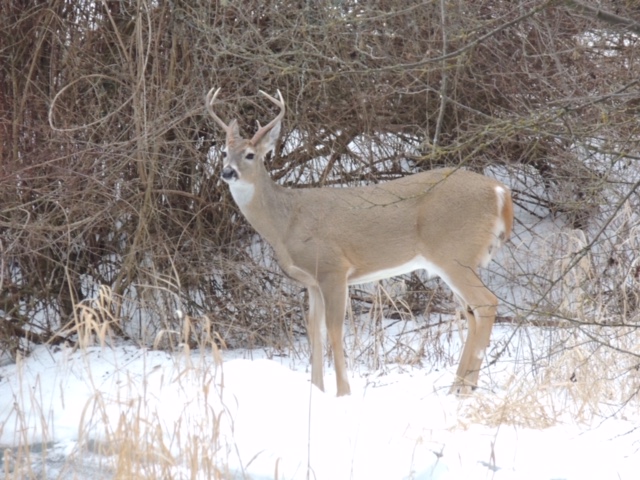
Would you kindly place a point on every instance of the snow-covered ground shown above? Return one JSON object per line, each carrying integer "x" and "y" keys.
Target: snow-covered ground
{"x": 120, "y": 411}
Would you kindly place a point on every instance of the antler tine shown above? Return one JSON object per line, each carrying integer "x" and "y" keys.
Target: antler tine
{"x": 211, "y": 98}
{"x": 263, "y": 130}
{"x": 279, "y": 102}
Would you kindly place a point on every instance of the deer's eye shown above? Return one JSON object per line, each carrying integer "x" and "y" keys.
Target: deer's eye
{"x": 224, "y": 154}
{"x": 250, "y": 156}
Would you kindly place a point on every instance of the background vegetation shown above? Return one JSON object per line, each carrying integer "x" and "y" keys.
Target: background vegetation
{"x": 109, "y": 188}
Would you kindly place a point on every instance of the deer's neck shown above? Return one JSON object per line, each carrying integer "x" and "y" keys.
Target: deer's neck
{"x": 265, "y": 204}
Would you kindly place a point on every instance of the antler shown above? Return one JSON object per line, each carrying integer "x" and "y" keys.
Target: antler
{"x": 211, "y": 98}
{"x": 263, "y": 130}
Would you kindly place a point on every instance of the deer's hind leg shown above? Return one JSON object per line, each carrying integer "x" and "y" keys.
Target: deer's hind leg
{"x": 479, "y": 307}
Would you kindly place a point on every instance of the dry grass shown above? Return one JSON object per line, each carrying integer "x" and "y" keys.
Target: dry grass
{"x": 582, "y": 374}
{"x": 118, "y": 434}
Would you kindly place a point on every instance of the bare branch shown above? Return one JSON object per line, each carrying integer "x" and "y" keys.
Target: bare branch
{"x": 605, "y": 16}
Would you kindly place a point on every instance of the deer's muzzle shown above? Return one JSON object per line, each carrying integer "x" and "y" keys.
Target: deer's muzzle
{"x": 229, "y": 174}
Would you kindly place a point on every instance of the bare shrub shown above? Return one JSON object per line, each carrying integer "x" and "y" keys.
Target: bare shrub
{"x": 108, "y": 163}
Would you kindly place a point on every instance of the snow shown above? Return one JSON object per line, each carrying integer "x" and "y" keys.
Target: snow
{"x": 250, "y": 414}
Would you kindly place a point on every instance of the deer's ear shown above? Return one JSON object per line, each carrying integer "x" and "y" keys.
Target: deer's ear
{"x": 233, "y": 132}
{"x": 268, "y": 142}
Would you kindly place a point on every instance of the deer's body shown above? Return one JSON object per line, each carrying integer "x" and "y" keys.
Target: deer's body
{"x": 446, "y": 221}
{"x": 316, "y": 234}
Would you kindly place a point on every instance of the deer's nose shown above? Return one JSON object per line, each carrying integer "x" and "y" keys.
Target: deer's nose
{"x": 229, "y": 174}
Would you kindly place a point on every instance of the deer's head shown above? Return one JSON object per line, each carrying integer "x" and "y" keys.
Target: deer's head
{"x": 243, "y": 157}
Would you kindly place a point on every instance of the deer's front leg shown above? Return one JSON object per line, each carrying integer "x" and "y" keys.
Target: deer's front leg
{"x": 334, "y": 291}
{"x": 314, "y": 331}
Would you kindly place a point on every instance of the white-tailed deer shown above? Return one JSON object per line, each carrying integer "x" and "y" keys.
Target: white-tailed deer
{"x": 446, "y": 221}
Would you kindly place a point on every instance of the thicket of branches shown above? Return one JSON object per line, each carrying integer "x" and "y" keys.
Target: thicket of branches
{"x": 109, "y": 195}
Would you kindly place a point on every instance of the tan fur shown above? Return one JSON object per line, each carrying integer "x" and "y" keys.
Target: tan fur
{"x": 447, "y": 221}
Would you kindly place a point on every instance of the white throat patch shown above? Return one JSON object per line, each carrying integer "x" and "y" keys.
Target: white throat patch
{"x": 241, "y": 192}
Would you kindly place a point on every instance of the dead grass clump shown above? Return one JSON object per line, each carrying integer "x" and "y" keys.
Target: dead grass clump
{"x": 522, "y": 406}
{"x": 573, "y": 375}
{"x": 598, "y": 370}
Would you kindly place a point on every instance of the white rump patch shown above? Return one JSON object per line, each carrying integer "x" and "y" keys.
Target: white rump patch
{"x": 498, "y": 229}
{"x": 500, "y": 190}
